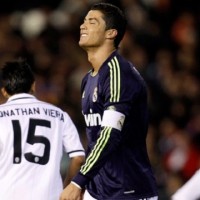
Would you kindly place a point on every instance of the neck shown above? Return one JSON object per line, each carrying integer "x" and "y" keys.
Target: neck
{"x": 98, "y": 56}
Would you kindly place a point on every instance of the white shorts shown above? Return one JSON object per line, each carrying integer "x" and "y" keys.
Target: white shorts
{"x": 87, "y": 196}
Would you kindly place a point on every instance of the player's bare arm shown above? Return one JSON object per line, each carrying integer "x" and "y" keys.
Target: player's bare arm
{"x": 73, "y": 168}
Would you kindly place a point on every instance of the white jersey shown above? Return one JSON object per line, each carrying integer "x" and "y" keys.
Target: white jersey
{"x": 33, "y": 135}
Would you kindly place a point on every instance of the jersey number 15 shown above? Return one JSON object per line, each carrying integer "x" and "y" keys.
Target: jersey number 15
{"x": 31, "y": 139}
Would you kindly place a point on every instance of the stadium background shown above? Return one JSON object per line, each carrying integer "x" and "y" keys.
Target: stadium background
{"x": 162, "y": 41}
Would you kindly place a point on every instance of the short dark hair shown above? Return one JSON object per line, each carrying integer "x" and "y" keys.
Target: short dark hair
{"x": 114, "y": 19}
{"x": 17, "y": 77}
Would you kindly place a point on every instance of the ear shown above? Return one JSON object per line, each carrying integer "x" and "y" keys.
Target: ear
{"x": 4, "y": 93}
{"x": 32, "y": 88}
{"x": 111, "y": 34}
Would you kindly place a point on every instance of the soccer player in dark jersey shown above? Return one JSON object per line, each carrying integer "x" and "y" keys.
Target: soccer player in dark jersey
{"x": 114, "y": 105}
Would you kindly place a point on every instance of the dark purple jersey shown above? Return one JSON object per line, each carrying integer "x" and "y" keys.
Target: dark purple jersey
{"x": 117, "y": 165}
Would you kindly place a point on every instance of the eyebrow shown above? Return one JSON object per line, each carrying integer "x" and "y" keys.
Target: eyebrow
{"x": 92, "y": 19}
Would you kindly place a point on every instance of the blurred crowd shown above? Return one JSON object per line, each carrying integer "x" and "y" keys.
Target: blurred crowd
{"x": 162, "y": 40}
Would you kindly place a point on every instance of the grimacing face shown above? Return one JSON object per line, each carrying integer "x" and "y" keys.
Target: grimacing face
{"x": 92, "y": 31}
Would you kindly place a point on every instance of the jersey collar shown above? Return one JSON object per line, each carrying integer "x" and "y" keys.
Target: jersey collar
{"x": 20, "y": 96}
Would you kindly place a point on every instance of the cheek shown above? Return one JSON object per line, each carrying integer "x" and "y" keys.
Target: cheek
{"x": 98, "y": 35}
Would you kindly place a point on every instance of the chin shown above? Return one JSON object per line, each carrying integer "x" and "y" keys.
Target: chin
{"x": 82, "y": 45}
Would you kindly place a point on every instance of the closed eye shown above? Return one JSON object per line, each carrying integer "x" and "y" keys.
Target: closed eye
{"x": 92, "y": 21}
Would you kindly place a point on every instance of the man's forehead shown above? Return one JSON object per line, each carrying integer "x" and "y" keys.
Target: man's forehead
{"x": 94, "y": 14}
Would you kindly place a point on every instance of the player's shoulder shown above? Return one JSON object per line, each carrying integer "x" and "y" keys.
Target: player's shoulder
{"x": 115, "y": 65}
{"x": 53, "y": 109}
{"x": 50, "y": 106}
{"x": 3, "y": 105}
{"x": 114, "y": 62}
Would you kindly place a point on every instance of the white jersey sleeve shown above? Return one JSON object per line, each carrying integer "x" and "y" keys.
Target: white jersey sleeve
{"x": 190, "y": 190}
{"x": 71, "y": 141}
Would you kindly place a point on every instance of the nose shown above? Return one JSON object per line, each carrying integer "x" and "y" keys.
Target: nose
{"x": 82, "y": 26}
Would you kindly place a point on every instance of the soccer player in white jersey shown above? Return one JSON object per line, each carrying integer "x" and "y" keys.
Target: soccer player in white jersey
{"x": 190, "y": 190}
{"x": 33, "y": 135}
